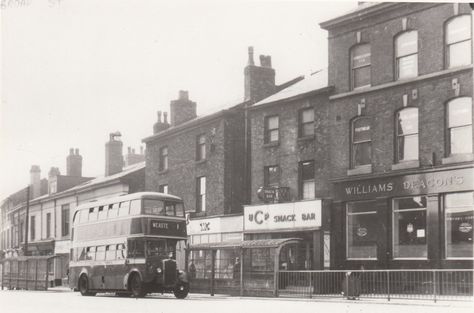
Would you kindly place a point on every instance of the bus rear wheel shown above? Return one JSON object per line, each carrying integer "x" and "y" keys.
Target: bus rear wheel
{"x": 84, "y": 286}
{"x": 137, "y": 287}
{"x": 181, "y": 290}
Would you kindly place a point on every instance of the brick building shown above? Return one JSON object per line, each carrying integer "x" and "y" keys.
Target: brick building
{"x": 401, "y": 136}
{"x": 289, "y": 191}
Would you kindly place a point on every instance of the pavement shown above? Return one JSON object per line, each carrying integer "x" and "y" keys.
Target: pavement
{"x": 62, "y": 300}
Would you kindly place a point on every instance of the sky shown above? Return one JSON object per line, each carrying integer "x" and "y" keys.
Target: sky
{"x": 73, "y": 71}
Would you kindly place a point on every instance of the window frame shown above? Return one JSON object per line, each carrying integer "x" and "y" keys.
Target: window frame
{"x": 398, "y": 135}
{"x": 268, "y": 131}
{"x": 48, "y": 225}
{"x": 163, "y": 159}
{"x": 65, "y": 219}
{"x": 398, "y": 57}
{"x": 355, "y": 68}
{"x": 302, "y": 181}
{"x": 449, "y": 152}
{"x": 266, "y": 176}
{"x": 201, "y": 147}
{"x": 201, "y": 197}
{"x": 353, "y": 143}
{"x": 367, "y": 212}
{"x": 302, "y": 124}
{"x": 445, "y": 230}
{"x": 448, "y": 45}
{"x": 163, "y": 188}
{"x": 32, "y": 228}
{"x": 393, "y": 211}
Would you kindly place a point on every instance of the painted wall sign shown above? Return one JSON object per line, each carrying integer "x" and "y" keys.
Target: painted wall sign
{"x": 303, "y": 214}
{"x": 215, "y": 225}
{"x": 435, "y": 182}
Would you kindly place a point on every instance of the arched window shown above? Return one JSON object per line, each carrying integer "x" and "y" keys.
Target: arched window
{"x": 406, "y": 54}
{"x": 407, "y": 135}
{"x": 360, "y": 66}
{"x": 361, "y": 142}
{"x": 458, "y": 41}
{"x": 459, "y": 112}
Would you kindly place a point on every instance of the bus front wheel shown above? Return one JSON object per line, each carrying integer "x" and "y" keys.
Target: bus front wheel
{"x": 137, "y": 287}
{"x": 84, "y": 286}
{"x": 181, "y": 290}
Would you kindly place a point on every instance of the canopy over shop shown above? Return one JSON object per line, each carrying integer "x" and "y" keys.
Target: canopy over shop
{"x": 246, "y": 267}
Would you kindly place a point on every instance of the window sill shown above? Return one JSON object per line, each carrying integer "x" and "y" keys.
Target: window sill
{"x": 305, "y": 138}
{"x": 271, "y": 144}
{"x": 364, "y": 169}
{"x": 458, "y": 158}
{"x": 201, "y": 161}
{"x": 405, "y": 165}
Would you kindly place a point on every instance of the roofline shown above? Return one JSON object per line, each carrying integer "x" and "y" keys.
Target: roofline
{"x": 194, "y": 123}
{"x": 360, "y": 14}
{"x": 293, "y": 98}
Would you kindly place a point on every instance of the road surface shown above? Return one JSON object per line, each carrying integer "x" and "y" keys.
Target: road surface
{"x": 13, "y": 301}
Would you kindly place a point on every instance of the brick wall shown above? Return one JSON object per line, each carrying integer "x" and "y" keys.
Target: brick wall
{"x": 291, "y": 150}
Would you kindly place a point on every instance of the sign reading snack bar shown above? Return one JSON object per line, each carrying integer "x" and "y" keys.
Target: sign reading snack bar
{"x": 431, "y": 182}
{"x": 281, "y": 216}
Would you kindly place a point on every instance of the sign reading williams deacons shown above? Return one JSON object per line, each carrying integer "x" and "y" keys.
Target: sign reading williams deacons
{"x": 432, "y": 182}
{"x": 283, "y": 216}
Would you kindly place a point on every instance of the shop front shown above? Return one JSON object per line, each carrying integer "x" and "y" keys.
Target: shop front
{"x": 421, "y": 220}
{"x": 301, "y": 219}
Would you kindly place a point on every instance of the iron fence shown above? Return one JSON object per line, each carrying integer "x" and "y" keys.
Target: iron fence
{"x": 390, "y": 284}
{"x": 30, "y": 273}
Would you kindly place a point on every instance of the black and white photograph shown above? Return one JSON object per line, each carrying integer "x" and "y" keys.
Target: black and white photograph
{"x": 236, "y": 156}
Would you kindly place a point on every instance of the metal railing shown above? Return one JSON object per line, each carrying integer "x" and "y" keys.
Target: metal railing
{"x": 31, "y": 273}
{"x": 434, "y": 285}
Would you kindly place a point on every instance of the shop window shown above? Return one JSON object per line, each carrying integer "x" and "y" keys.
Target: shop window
{"x": 163, "y": 159}
{"x": 361, "y": 142}
{"x": 458, "y": 41}
{"x": 271, "y": 129}
{"x": 459, "y": 217}
{"x": 360, "y": 65}
{"x": 407, "y": 135}
{"x": 460, "y": 125}
{"x": 201, "y": 194}
{"x": 271, "y": 176}
{"x": 361, "y": 229}
{"x": 306, "y": 122}
{"x": 163, "y": 188}
{"x": 409, "y": 228}
{"x": 307, "y": 183}
{"x": 406, "y": 55}
{"x": 200, "y": 147}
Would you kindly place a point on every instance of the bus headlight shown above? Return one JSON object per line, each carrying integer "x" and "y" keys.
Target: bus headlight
{"x": 158, "y": 270}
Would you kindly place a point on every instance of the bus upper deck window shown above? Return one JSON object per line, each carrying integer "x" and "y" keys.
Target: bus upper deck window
{"x": 179, "y": 209}
{"x": 113, "y": 210}
{"x": 154, "y": 207}
{"x": 124, "y": 208}
{"x": 102, "y": 213}
{"x": 135, "y": 207}
{"x": 92, "y": 214}
{"x": 170, "y": 209}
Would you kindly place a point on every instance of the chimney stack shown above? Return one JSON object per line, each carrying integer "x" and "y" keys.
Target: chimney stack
{"x": 133, "y": 158}
{"x": 53, "y": 172}
{"x": 259, "y": 80}
{"x": 74, "y": 163}
{"x": 160, "y": 126}
{"x": 182, "y": 109}
{"x": 113, "y": 154}
{"x": 35, "y": 181}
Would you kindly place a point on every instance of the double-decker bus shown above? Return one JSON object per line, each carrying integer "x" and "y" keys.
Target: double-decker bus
{"x": 127, "y": 245}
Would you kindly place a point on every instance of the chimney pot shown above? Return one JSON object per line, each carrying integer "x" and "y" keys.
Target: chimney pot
{"x": 71, "y": 151}
{"x": 165, "y": 117}
{"x": 77, "y": 151}
{"x": 159, "y": 116}
{"x": 265, "y": 61}
{"x": 133, "y": 151}
{"x": 129, "y": 149}
{"x": 250, "y": 61}
{"x": 183, "y": 95}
